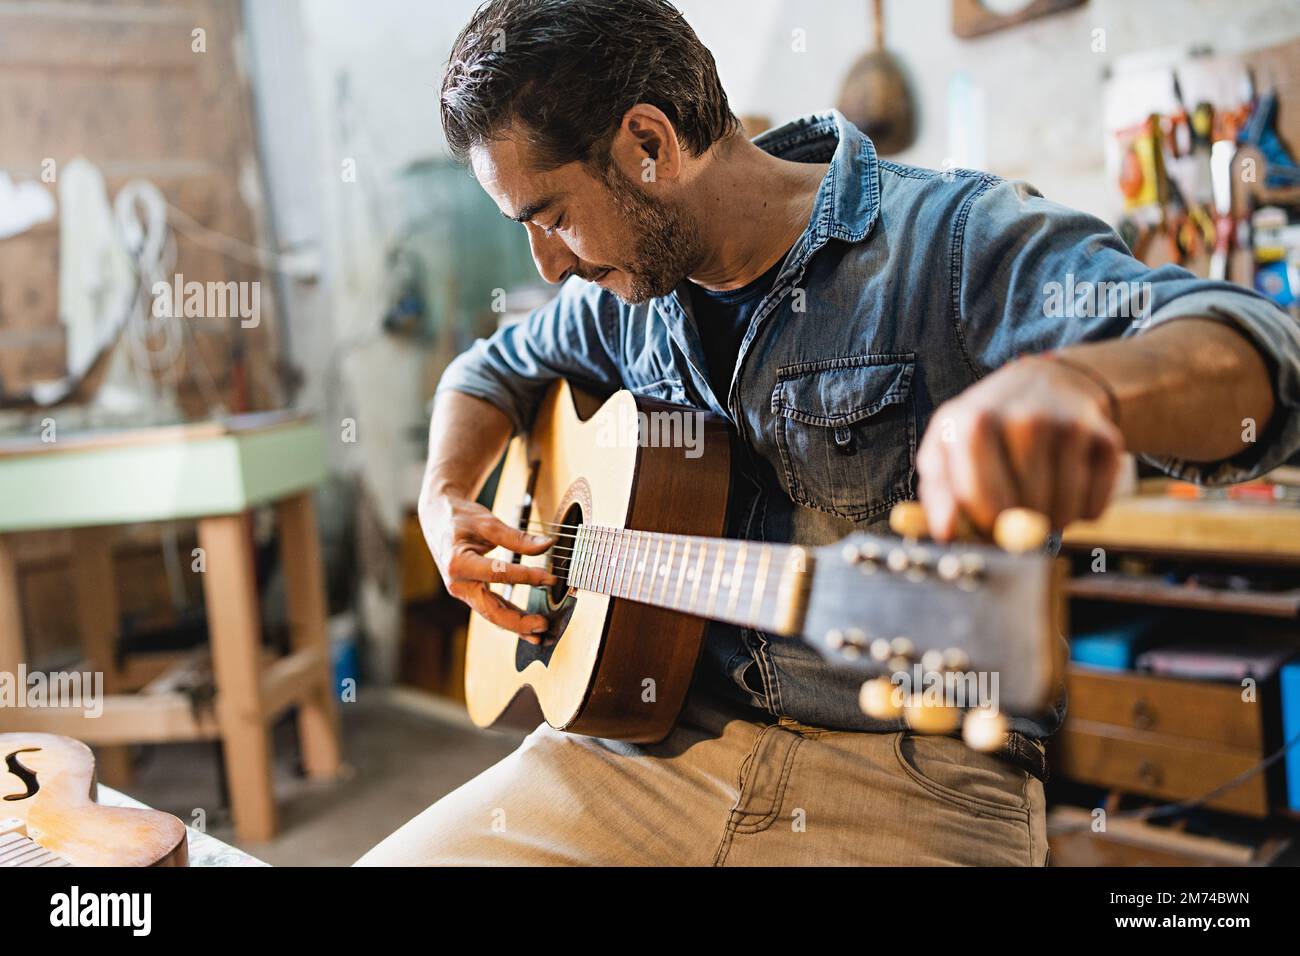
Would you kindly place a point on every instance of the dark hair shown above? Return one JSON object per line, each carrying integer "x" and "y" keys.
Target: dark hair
{"x": 567, "y": 70}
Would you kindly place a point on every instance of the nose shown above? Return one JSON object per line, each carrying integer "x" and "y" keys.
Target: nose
{"x": 553, "y": 257}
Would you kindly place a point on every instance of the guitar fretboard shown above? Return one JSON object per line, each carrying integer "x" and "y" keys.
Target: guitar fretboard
{"x": 751, "y": 583}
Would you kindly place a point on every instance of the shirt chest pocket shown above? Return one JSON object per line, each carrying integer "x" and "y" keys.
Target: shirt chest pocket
{"x": 846, "y": 432}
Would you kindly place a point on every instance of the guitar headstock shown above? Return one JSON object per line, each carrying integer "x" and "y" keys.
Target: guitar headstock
{"x": 949, "y": 634}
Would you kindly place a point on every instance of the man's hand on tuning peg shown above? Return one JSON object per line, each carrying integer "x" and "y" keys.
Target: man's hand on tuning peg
{"x": 1035, "y": 434}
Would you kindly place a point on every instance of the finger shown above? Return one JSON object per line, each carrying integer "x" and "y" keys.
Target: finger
{"x": 492, "y": 529}
{"x": 1030, "y": 449}
{"x": 470, "y": 566}
{"x": 935, "y": 492}
{"x": 980, "y": 479}
{"x": 1104, "y": 456}
{"x": 503, "y": 614}
{"x": 1073, "y": 478}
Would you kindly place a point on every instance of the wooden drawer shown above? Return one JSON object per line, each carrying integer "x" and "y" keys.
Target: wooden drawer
{"x": 1158, "y": 765}
{"x": 1197, "y": 710}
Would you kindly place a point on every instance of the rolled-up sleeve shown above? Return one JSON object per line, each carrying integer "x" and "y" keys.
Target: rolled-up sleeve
{"x": 1034, "y": 275}
{"x": 570, "y": 337}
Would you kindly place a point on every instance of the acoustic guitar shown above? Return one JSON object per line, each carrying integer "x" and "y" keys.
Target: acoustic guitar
{"x": 641, "y": 569}
{"x": 49, "y": 817}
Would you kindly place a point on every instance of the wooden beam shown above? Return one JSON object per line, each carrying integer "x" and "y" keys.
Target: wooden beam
{"x": 127, "y": 718}
{"x": 318, "y": 728}
{"x": 12, "y": 652}
{"x": 290, "y": 680}
{"x": 230, "y": 593}
{"x": 98, "y": 620}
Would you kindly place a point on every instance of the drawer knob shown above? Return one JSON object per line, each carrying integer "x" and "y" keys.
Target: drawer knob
{"x": 1149, "y": 773}
{"x": 1144, "y": 716}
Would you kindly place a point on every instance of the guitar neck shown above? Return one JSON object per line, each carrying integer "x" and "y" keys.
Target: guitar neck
{"x": 750, "y": 583}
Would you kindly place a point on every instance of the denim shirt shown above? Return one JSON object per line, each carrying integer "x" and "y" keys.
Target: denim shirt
{"x": 907, "y": 286}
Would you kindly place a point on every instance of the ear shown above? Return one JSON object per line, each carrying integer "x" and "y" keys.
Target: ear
{"x": 645, "y": 147}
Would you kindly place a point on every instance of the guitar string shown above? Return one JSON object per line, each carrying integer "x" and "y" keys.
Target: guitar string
{"x": 609, "y": 564}
{"x": 602, "y": 536}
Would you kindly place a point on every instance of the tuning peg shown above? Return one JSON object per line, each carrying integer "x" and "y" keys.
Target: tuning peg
{"x": 972, "y": 571}
{"x": 915, "y": 563}
{"x": 1019, "y": 530}
{"x": 930, "y": 718}
{"x": 866, "y": 555}
{"x": 921, "y": 562}
{"x": 851, "y": 643}
{"x": 955, "y": 659}
{"x": 984, "y": 729}
{"x": 907, "y": 520}
{"x": 877, "y": 699}
{"x": 932, "y": 660}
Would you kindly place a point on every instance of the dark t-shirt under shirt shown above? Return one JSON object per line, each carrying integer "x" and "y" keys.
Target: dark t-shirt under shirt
{"x": 723, "y": 319}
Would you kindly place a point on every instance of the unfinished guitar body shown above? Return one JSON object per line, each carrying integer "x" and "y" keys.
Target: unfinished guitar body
{"x": 609, "y": 667}
{"x": 49, "y": 817}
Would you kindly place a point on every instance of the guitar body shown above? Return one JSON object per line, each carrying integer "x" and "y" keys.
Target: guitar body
{"x": 609, "y": 667}
{"x": 47, "y": 787}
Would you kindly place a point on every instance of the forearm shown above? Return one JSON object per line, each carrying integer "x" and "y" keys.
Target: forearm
{"x": 466, "y": 438}
{"x": 1189, "y": 388}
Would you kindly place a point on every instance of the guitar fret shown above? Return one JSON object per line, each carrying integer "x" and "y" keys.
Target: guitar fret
{"x": 699, "y": 574}
{"x": 606, "y": 558}
{"x": 629, "y": 556}
{"x": 593, "y": 558}
{"x": 641, "y": 565}
{"x": 589, "y": 562}
{"x": 623, "y": 555}
{"x": 655, "y": 568}
{"x": 575, "y": 560}
{"x": 634, "y": 562}
{"x": 607, "y": 572}
{"x": 760, "y": 581}
{"x": 612, "y": 563}
{"x": 667, "y": 570}
{"x": 736, "y": 577}
{"x": 681, "y": 572}
{"x": 717, "y": 575}
{"x": 616, "y": 575}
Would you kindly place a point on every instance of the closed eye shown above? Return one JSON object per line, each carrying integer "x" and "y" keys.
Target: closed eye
{"x": 550, "y": 231}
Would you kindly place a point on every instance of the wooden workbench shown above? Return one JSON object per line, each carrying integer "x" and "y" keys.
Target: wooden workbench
{"x": 212, "y": 472}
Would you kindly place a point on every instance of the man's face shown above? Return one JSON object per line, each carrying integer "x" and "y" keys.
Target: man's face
{"x": 605, "y": 228}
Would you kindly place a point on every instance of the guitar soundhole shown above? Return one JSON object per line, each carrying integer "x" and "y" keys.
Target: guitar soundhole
{"x": 561, "y": 556}
{"x": 555, "y": 603}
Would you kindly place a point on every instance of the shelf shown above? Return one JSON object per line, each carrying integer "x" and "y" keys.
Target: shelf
{"x": 1237, "y": 530}
{"x": 1152, "y": 591}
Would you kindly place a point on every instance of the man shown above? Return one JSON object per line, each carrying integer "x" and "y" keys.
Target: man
{"x": 836, "y": 308}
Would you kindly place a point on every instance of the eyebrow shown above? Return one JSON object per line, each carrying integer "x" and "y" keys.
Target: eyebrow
{"x": 531, "y": 210}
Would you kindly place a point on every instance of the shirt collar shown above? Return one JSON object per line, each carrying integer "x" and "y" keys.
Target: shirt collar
{"x": 848, "y": 201}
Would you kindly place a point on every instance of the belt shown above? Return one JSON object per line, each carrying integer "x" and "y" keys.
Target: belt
{"x": 1025, "y": 753}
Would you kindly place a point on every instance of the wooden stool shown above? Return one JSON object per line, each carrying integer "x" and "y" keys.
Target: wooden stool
{"x": 214, "y": 473}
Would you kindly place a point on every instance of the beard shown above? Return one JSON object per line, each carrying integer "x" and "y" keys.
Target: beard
{"x": 665, "y": 241}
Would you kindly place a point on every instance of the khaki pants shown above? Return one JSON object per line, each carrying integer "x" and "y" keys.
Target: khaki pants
{"x": 726, "y": 789}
